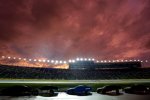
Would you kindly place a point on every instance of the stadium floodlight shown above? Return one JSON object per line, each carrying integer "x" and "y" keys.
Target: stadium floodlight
{"x": 97, "y": 61}
{"x": 138, "y": 60}
{"x": 30, "y": 59}
{"x": 14, "y": 57}
{"x": 39, "y": 60}
{"x": 77, "y": 59}
{"x": 85, "y": 59}
{"x": 117, "y": 60}
{"x": 109, "y": 61}
{"x": 114, "y": 61}
{"x": 69, "y": 60}
{"x": 9, "y": 57}
{"x": 105, "y": 61}
{"x": 48, "y": 61}
{"x": 44, "y": 60}
{"x": 102, "y": 61}
{"x": 3, "y": 57}
{"x": 126, "y": 60}
{"x": 130, "y": 60}
{"x": 64, "y": 62}
{"x": 141, "y": 61}
{"x": 73, "y": 61}
{"x": 146, "y": 60}
{"x": 52, "y": 61}
{"x": 56, "y": 61}
{"x": 89, "y": 59}
{"x": 24, "y": 59}
{"x": 135, "y": 60}
{"x": 60, "y": 62}
{"x": 34, "y": 60}
{"x": 93, "y": 59}
{"x": 19, "y": 58}
{"x": 81, "y": 59}
{"x": 121, "y": 60}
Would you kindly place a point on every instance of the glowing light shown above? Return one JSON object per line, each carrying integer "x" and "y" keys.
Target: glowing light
{"x": 24, "y": 59}
{"x": 77, "y": 59}
{"x": 85, "y": 59}
{"x": 73, "y": 61}
{"x": 56, "y": 61}
{"x": 19, "y": 58}
{"x": 135, "y": 60}
{"x": 30, "y": 59}
{"x": 34, "y": 60}
{"x": 130, "y": 60}
{"x": 64, "y": 62}
{"x": 39, "y": 60}
{"x": 102, "y": 61}
{"x": 121, "y": 60}
{"x": 146, "y": 60}
{"x": 117, "y": 60}
{"x": 138, "y": 60}
{"x": 60, "y": 62}
{"x": 70, "y": 61}
{"x": 3, "y": 56}
{"x": 97, "y": 61}
{"x": 114, "y": 61}
{"x": 105, "y": 61}
{"x": 109, "y": 61}
{"x": 48, "y": 61}
{"x": 81, "y": 59}
{"x": 93, "y": 59}
{"x": 14, "y": 57}
{"x": 141, "y": 61}
{"x": 44, "y": 60}
{"x": 126, "y": 60}
{"x": 52, "y": 61}
{"x": 89, "y": 59}
{"x": 9, "y": 57}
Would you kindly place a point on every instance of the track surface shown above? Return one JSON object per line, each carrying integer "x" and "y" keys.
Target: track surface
{"x": 94, "y": 96}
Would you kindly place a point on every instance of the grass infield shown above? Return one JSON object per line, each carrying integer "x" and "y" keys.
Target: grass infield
{"x": 65, "y": 84}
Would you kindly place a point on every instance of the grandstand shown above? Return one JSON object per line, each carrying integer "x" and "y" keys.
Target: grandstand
{"x": 104, "y": 65}
{"x": 17, "y": 72}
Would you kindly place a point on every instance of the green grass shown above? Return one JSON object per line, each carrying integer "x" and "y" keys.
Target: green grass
{"x": 71, "y": 83}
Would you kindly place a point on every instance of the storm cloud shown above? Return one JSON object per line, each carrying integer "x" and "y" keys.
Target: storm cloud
{"x": 63, "y": 29}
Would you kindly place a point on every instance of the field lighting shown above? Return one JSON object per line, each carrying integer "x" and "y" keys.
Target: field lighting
{"x": 44, "y": 60}
{"x": 30, "y": 59}
{"x": 9, "y": 57}
{"x": 89, "y": 59}
{"x": 14, "y": 57}
{"x": 39, "y": 60}
{"x": 34, "y": 60}
{"x": 85, "y": 59}
{"x": 77, "y": 59}
{"x": 102, "y": 61}
{"x": 69, "y": 60}
{"x": 19, "y": 58}
{"x": 109, "y": 61}
{"x": 24, "y": 59}
{"x": 97, "y": 61}
{"x": 60, "y": 62}
{"x": 3, "y": 57}
{"x": 52, "y": 61}
{"x": 73, "y": 61}
{"x": 141, "y": 61}
{"x": 93, "y": 59}
{"x": 64, "y": 62}
{"x": 81, "y": 59}
{"x": 48, "y": 61}
{"x": 138, "y": 60}
{"x": 56, "y": 61}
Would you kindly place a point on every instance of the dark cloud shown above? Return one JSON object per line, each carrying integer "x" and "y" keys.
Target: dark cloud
{"x": 55, "y": 29}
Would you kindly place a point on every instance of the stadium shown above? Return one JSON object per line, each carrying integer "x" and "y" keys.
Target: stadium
{"x": 78, "y": 69}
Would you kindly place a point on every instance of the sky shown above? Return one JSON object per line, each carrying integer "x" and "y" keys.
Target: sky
{"x": 66, "y": 29}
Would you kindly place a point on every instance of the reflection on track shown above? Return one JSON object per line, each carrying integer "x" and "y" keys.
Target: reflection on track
{"x": 94, "y": 96}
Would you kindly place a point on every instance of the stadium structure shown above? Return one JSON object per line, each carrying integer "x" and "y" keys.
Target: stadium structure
{"x": 78, "y": 69}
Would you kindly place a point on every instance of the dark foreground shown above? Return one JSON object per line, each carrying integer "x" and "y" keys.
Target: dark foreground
{"x": 94, "y": 96}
